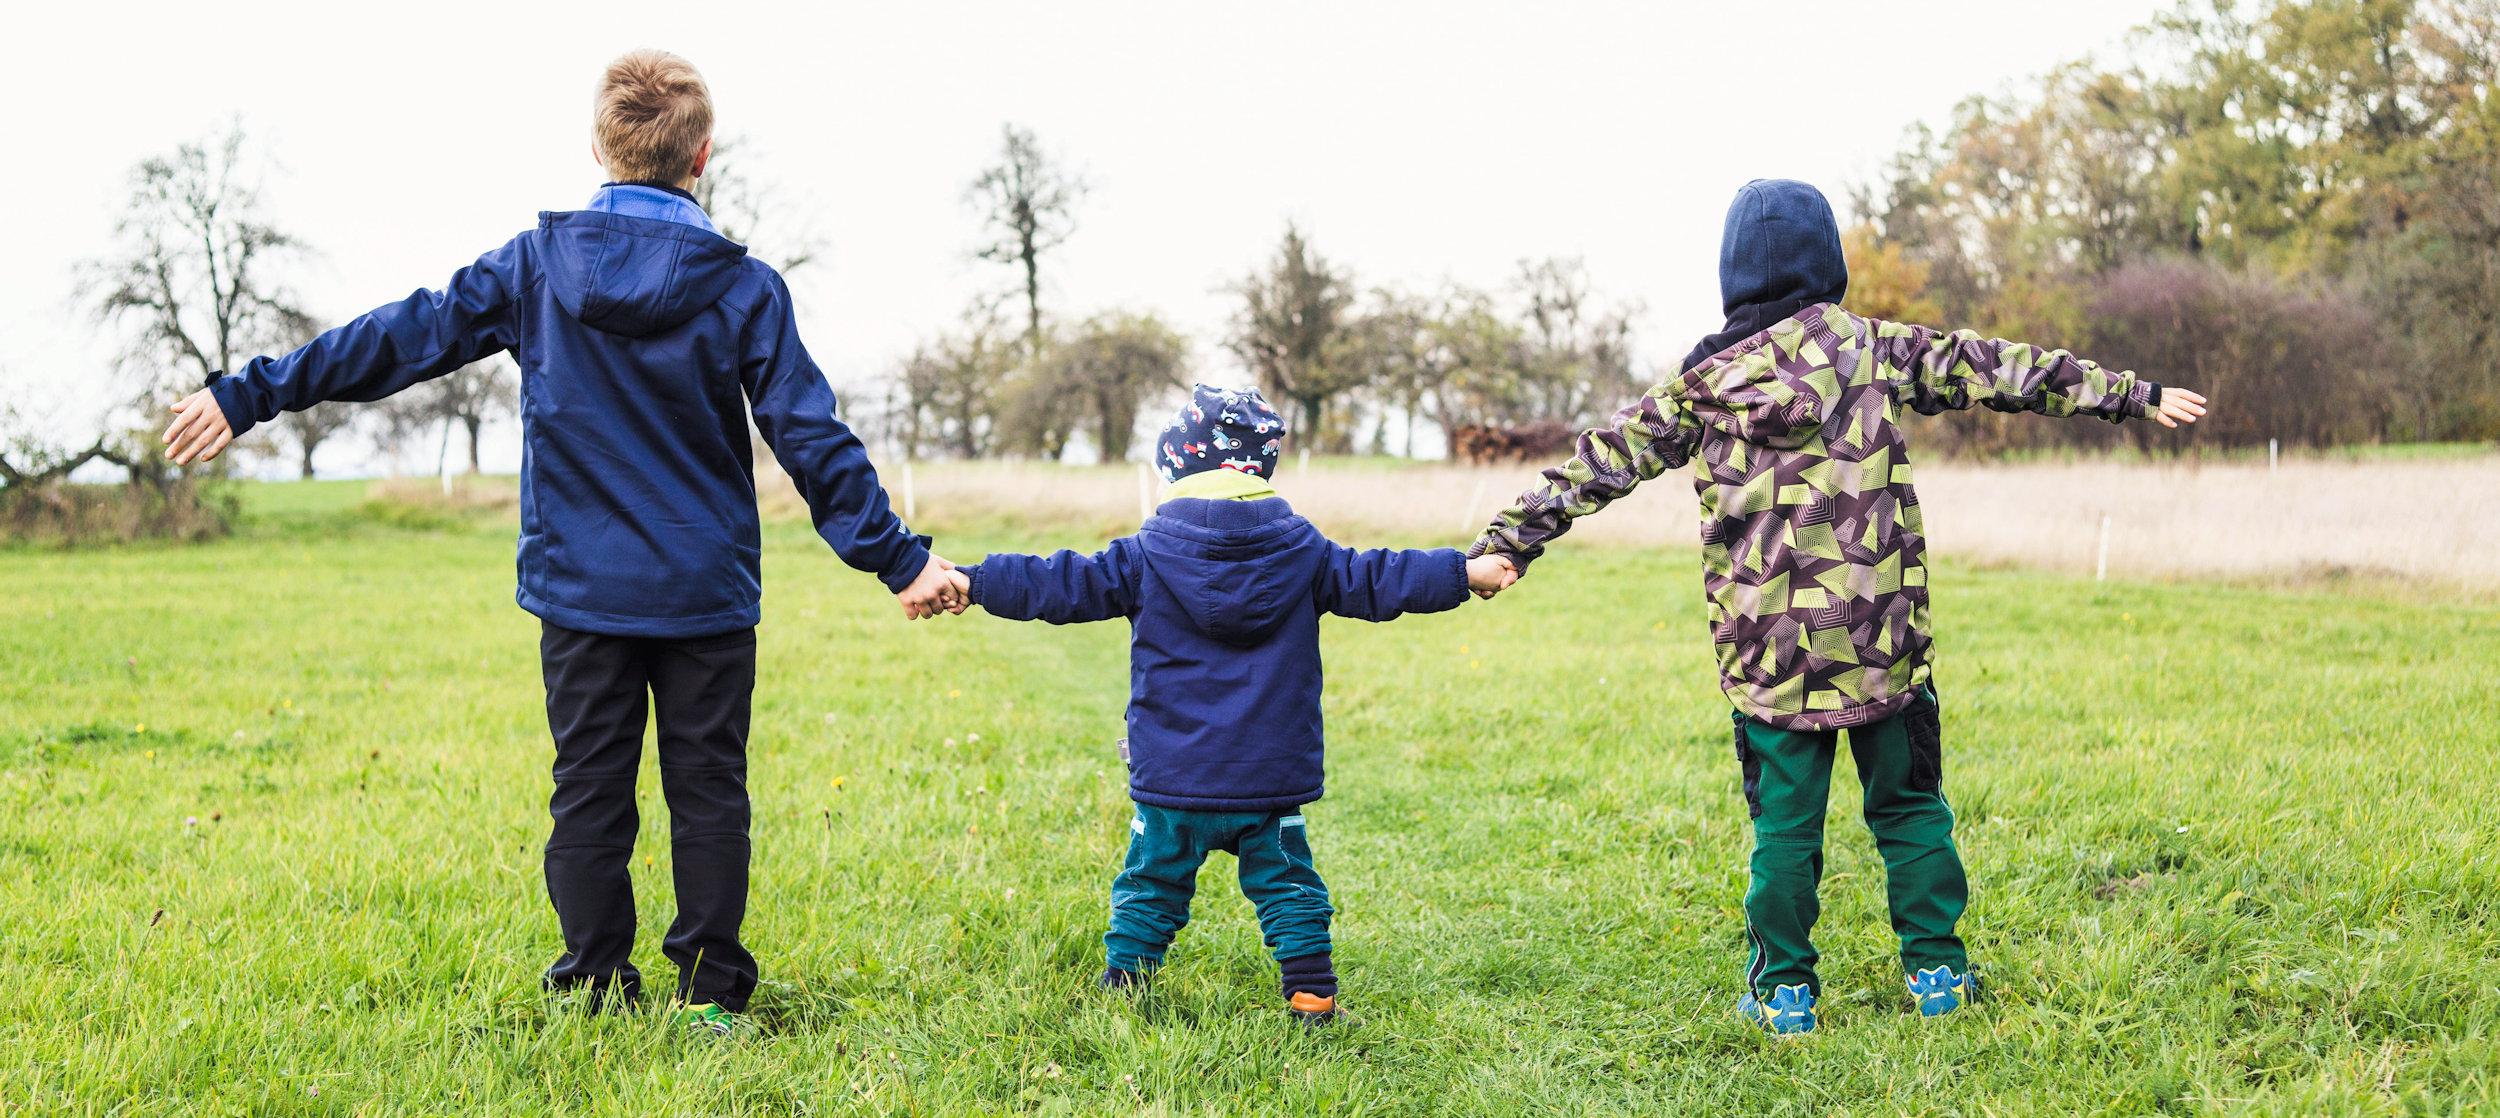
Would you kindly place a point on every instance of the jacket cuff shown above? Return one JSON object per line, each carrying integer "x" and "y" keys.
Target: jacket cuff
{"x": 898, "y": 575}
{"x": 229, "y": 392}
{"x": 973, "y": 575}
{"x": 2143, "y": 397}
{"x": 1458, "y": 573}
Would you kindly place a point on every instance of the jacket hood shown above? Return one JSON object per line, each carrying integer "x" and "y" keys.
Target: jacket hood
{"x": 635, "y": 276}
{"x": 1779, "y": 253}
{"x": 1238, "y": 568}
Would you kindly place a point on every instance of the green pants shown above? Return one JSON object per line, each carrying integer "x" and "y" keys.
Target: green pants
{"x": 1150, "y": 898}
{"x": 1788, "y": 782}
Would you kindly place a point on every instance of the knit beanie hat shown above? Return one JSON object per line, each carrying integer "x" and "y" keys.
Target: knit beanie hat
{"x": 1222, "y": 428}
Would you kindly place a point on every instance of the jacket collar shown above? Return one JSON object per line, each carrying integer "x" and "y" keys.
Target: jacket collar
{"x": 651, "y": 200}
{"x": 1222, "y": 485}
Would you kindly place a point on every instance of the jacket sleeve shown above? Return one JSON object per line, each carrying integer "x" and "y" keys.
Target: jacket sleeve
{"x": 794, "y": 409}
{"x": 1379, "y": 585}
{"x": 1062, "y": 589}
{"x": 1655, "y": 434}
{"x": 386, "y": 349}
{"x": 1934, "y": 371}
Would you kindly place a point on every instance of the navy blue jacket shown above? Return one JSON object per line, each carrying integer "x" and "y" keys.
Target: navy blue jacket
{"x": 1223, "y": 600}
{"x": 642, "y": 344}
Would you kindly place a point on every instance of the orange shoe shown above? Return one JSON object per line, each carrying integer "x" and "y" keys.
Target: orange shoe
{"x": 1312, "y": 1009}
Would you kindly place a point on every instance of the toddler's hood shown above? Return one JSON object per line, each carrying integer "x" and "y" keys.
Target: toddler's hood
{"x": 1238, "y": 568}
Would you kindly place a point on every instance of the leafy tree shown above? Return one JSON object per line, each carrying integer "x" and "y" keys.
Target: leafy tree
{"x": 2310, "y": 154}
{"x": 1110, "y": 367}
{"x": 947, "y": 395}
{"x": 1884, "y": 281}
{"x": 1287, "y": 332}
{"x": 1397, "y": 337}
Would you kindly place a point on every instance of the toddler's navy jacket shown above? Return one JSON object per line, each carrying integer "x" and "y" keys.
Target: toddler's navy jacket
{"x": 1223, "y": 600}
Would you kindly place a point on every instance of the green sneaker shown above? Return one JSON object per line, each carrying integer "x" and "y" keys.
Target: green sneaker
{"x": 708, "y": 1018}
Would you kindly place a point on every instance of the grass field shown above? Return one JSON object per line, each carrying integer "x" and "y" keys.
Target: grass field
{"x": 270, "y": 811}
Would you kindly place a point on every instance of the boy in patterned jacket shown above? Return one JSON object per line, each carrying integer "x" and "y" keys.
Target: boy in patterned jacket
{"x": 1223, "y": 589}
{"x": 1814, "y": 563}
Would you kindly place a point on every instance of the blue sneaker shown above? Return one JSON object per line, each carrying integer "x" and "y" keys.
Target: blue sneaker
{"x": 1938, "y": 990}
{"x": 1790, "y": 1010}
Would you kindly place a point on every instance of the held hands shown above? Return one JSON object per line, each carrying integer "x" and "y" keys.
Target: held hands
{"x": 2178, "y": 405}
{"x": 199, "y": 430}
{"x": 1488, "y": 575}
{"x": 940, "y": 588}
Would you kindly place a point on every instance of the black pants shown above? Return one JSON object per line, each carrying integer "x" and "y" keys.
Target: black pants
{"x": 600, "y": 689}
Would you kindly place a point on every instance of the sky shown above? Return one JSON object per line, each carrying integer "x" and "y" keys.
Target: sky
{"x": 1417, "y": 143}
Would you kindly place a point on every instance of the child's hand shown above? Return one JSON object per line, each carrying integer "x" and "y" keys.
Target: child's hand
{"x": 198, "y": 431}
{"x": 938, "y": 588}
{"x": 1488, "y": 575}
{"x": 2178, "y": 405}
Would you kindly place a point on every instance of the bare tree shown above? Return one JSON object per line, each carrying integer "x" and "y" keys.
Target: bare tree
{"x": 1287, "y": 330}
{"x": 1028, "y": 207}
{"x": 303, "y": 432}
{"x": 749, "y": 209}
{"x": 1578, "y": 363}
{"x": 29, "y": 461}
{"x": 468, "y": 399}
{"x": 190, "y": 281}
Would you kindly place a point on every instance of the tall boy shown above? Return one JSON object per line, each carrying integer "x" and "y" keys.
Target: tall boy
{"x": 1814, "y": 561}
{"x": 643, "y": 338}
{"x": 1223, "y": 589}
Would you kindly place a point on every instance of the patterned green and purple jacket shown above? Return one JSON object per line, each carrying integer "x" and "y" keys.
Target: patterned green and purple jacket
{"x": 1813, "y": 550}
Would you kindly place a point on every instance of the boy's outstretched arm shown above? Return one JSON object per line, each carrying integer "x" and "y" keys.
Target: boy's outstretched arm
{"x": 1935, "y": 371}
{"x": 1062, "y": 589}
{"x": 1379, "y": 585}
{"x": 794, "y": 410}
{"x": 382, "y": 351}
{"x": 1655, "y": 434}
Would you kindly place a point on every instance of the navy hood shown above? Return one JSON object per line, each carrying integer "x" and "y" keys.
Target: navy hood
{"x": 1237, "y": 569}
{"x": 636, "y": 276}
{"x": 1779, "y": 254}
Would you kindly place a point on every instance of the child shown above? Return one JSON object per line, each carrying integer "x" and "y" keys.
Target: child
{"x": 638, "y": 329}
{"x": 1223, "y": 589}
{"x": 1813, "y": 558}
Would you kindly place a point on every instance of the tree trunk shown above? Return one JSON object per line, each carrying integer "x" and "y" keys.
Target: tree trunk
{"x": 309, "y": 446}
{"x": 1033, "y": 302}
{"x": 473, "y": 423}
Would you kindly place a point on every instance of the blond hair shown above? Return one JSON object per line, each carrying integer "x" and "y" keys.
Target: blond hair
{"x": 653, "y": 114}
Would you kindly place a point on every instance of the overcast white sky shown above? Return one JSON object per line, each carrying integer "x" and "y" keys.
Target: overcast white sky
{"x": 1418, "y": 141}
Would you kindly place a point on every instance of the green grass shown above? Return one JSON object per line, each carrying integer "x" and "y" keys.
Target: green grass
{"x": 2231, "y": 850}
